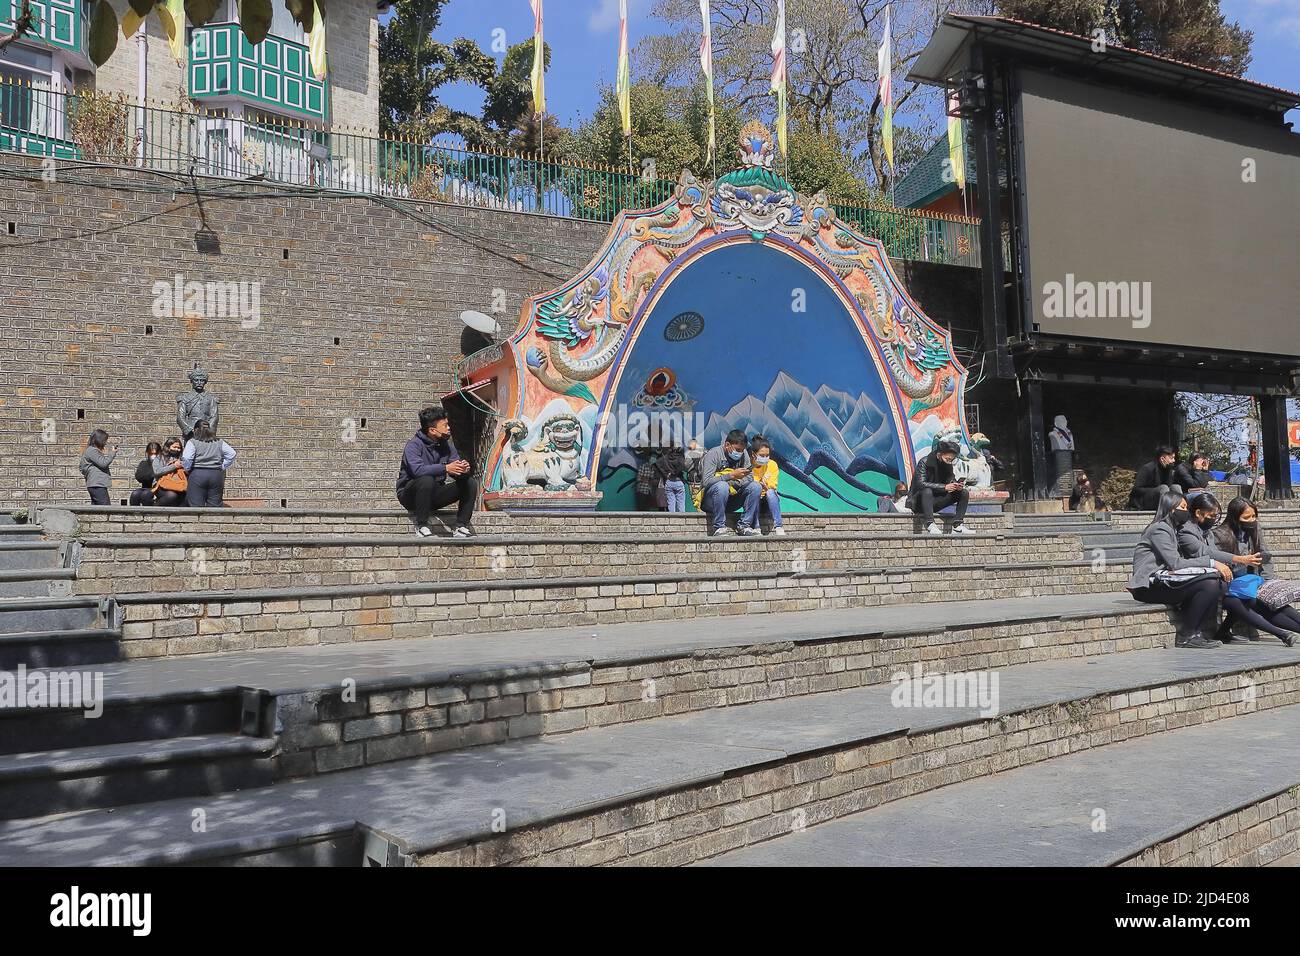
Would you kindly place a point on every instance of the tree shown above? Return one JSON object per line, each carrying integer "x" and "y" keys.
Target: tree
{"x": 413, "y": 67}
{"x": 833, "y": 84}
{"x": 1195, "y": 31}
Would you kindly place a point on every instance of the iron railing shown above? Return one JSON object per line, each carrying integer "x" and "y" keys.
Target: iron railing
{"x": 110, "y": 129}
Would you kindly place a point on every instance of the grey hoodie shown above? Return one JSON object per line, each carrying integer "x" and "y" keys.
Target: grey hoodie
{"x": 715, "y": 460}
{"x": 94, "y": 465}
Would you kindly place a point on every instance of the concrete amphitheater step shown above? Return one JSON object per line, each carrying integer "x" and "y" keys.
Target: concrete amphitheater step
{"x": 30, "y": 555}
{"x": 427, "y": 695}
{"x": 1227, "y": 792}
{"x": 41, "y": 582}
{"x": 25, "y": 615}
{"x": 59, "y": 648}
{"x": 228, "y": 562}
{"x": 175, "y": 623}
{"x": 115, "y": 775}
{"x": 682, "y": 788}
{"x": 84, "y": 521}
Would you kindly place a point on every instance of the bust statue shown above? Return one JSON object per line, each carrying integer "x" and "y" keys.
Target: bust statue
{"x": 199, "y": 405}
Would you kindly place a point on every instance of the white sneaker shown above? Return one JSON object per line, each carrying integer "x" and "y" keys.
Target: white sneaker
{"x": 747, "y": 532}
{"x": 962, "y": 529}
{"x": 934, "y": 528}
{"x": 424, "y": 531}
{"x": 778, "y": 530}
{"x": 464, "y": 531}
{"x": 723, "y": 532}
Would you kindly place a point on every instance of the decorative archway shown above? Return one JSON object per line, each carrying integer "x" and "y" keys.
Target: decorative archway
{"x": 811, "y": 337}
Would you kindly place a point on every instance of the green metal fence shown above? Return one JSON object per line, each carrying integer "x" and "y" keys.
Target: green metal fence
{"x": 110, "y": 129}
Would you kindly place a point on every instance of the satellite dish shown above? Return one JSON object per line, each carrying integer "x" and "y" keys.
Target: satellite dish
{"x": 480, "y": 323}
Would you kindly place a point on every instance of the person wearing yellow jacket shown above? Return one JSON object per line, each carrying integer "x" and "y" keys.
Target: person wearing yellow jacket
{"x": 767, "y": 474}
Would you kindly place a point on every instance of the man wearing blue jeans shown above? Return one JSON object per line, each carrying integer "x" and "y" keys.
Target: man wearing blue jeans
{"x": 728, "y": 476}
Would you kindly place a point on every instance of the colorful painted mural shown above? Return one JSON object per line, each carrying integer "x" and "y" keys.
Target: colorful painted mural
{"x": 737, "y": 304}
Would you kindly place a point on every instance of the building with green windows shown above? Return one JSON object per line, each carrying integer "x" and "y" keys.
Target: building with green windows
{"x": 228, "y": 106}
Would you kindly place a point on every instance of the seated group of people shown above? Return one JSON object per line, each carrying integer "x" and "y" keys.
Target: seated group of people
{"x": 173, "y": 474}
{"x": 740, "y": 472}
{"x": 1189, "y": 560}
{"x": 1165, "y": 473}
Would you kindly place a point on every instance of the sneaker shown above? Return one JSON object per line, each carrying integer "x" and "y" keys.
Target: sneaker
{"x": 1196, "y": 641}
{"x": 778, "y": 530}
{"x": 723, "y": 532}
{"x": 463, "y": 531}
{"x": 424, "y": 531}
{"x": 962, "y": 529}
{"x": 747, "y": 532}
{"x": 934, "y": 528}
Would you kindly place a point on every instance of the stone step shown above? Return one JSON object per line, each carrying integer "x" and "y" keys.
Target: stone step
{"x": 10, "y": 532}
{"x": 45, "y": 582}
{"x": 116, "y": 775}
{"x": 1224, "y": 793}
{"x": 184, "y": 563}
{"x": 59, "y": 648}
{"x": 85, "y": 521}
{"x": 421, "y": 696}
{"x": 160, "y": 624}
{"x": 30, "y": 555}
{"x": 126, "y": 718}
{"x": 27, "y": 615}
{"x": 688, "y": 787}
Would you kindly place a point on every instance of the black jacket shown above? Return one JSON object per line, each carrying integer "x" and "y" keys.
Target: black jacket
{"x": 671, "y": 464}
{"x": 1187, "y": 477}
{"x": 1152, "y": 475}
{"x": 931, "y": 472}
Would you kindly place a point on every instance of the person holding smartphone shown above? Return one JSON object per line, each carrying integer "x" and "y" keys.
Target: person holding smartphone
{"x": 433, "y": 475}
{"x": 94, "y": 465}
{"x": 935, "y": 486}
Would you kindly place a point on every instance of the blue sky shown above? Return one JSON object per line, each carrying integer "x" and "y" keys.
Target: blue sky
{"x": 583, "y": 35}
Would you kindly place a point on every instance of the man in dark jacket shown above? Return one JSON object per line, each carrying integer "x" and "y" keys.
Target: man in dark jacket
{"x": 935, "y": 487}
{"x": 433, "y": 475}
{"x": 1193, "y": 475}
{"x": 1154, "y": 479}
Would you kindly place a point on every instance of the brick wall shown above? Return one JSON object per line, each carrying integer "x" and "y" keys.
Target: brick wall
{"x": 359, "y": 308}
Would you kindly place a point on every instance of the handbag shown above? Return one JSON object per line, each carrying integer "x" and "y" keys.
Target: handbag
{"x": 176, "y": 481}
{"x": 1245, "y": 587}
{"x": 1275, "y": 594}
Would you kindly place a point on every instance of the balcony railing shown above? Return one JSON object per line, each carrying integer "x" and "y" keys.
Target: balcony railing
{"x": 110, "y": 130}
{"x": 59, "y": 23}
{"x": 275, "y": 73}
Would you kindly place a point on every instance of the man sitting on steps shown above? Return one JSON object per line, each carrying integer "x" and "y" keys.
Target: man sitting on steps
{"x": 728, "y": 477}
{"x": 935, "y": 487}
{"x": 429, "y": 460}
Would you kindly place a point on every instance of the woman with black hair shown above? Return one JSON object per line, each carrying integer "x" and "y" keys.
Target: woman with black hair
{"x": 94, "y": 464}
{"x": 206, "y": 460}
{"x": 1197, "y": 541}
{"x": 143, "y": 496}
{"x": 1161, "y": 575}
{"x": 1271, "y": 607}
{"x": 171, "y": 484}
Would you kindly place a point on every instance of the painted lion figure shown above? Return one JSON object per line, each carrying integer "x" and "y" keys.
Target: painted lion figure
{"x": 555, "y": 460}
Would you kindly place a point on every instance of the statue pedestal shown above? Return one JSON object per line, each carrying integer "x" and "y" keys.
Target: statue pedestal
{"x": 538, "y": 499}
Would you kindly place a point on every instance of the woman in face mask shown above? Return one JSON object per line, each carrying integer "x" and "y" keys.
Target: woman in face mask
{"x": 1271, "y": 607}
{"x": 1162, "y": 575}
{"x": 1196, "y": 541}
